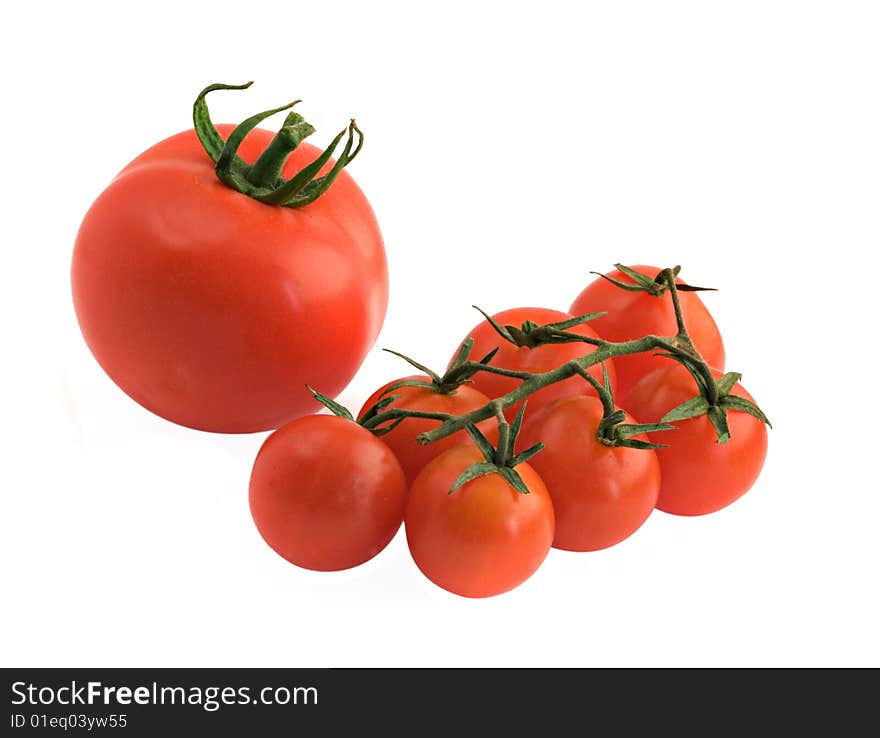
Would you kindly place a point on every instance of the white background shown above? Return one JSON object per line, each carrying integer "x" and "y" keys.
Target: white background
{"x": 510, "y": 149}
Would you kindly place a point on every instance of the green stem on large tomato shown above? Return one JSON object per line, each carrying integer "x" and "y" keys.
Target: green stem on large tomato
{"x": 262, "y": 180}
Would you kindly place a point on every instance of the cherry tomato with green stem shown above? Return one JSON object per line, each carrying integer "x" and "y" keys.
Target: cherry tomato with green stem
{"x": 699, "y": 474}
{"x": 523, "y": 349}
{"x": 485, "y": 537}
{"x": 646, "y": 308}
{"x": 430, "y": 394}
{"x": 603, "y": 490}
{"x": 326, "y": 494}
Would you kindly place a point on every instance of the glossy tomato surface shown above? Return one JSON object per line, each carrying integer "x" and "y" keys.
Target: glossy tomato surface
{"x": 533, "y": 360}
{"x": 601, "y": 494}
{"x": 632, "y": 315}
{"x": 326, "y": 494}
{"x": 483, "y": 539}
{"x": 698, "y": 474}
{"x": 402, "y": 439}
{"x": 214, "y": 310}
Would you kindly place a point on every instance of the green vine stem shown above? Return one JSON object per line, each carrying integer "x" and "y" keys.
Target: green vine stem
{"x": 713, "y": 398}
{"x": 262, "y": 180}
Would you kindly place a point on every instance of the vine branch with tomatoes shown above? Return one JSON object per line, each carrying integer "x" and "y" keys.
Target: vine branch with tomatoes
{"x": 713, "y": 396}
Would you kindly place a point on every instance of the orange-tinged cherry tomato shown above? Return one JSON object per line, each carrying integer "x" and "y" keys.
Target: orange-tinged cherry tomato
{"x": 484, "y": 538}
{"x": 402, "y": 439}
{"x": 326, "y": 494}
{"x": 533, "y": 360}
{"x": 601, "y": 494}
{"x": 632, "y": 315}
{"x": 698, "y": 475}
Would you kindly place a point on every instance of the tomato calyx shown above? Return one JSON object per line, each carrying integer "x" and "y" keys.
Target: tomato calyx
{"x": 262, "y": 180}
{"x": 460, "y": 371}
{"x": 655, "y": 286}
{"x": 501, "y": 459}
{"x": 376, "y": 417}
{"x": 531, "y": 335}
{"x": 714, "y": 400}
{"x": 613, "y": 429}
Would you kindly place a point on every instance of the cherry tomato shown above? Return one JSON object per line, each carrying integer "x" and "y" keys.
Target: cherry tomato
{"x": 214, "y": 310}
{"x": 601, "y": 494}
{"x": 484, "y": 538}
{"x": 698, "y": 475}
{"x": 534, "y": 360}
{"x": 631, "y": 315}
{"x": 326, "y": 494}
{"x": 402, "y": 439}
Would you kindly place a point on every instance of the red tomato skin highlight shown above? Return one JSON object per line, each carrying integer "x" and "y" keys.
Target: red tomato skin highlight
{"x": 483, "y": 539}
{"x": 326, "y": 494}
{"x": 214, "y": 310}
{"x": 601, "y": 494}
{"x": 632, "y": 315}
{"x": 402, "y": 440}
{"x": 699, "y": 476}
{"x": 536, "y": 360}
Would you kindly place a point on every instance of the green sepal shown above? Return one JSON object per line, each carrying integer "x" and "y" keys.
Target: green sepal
{"x": 436, "y": 378}
{"x": 480, "y": 469}
{"x": 488, "y": 357}
{"x": 208, "y": 135}
{"x": 692, "y": 408}
{"x": 642, "y": 280}
{"x": 381, "y": 431}
{"x": 520, "y": 337}
{"x": 499, "y": 329}
{"x": 642, "y": 445}
{"x": 563, "y": 325}
{"x": 532, "y": 335}
{"x": 421, "y": 383}
{"x": 482, "y": 442}
{"x": 618, "y": 283}
{"x": 295, "y": 184}
{"x": 734, "y": 402}
{"x": 623, "y": 433}
{"x": 376, "y": 408}
{"x": 526, "y": 454}
{"x": 333, "y": 406}
{"x": 463, "y": 353}
{"x": 727, "y": 382}
{"x": 643, "y": 283}
{"x": 681, "y": 287}
{"x": 514, "y": 479}
{"x": 606, "y": 380}
{"x": 229, "y": 161}
{"x": 718, "y": 417}
{"x": 317, "y": 187}
{"x": 515, "y": 428}
{"x": 458, "y": 373}
{"x": 625, "y": 430}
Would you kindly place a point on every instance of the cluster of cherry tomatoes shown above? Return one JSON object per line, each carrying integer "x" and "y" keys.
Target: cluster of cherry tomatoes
{"x": 328, "y": 493}
{"x": 225, "y": 268}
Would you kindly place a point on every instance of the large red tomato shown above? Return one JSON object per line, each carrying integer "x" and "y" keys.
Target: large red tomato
{"x": 326, "y": 494}
{"x": 484, "y": 538}
{"x": 213, "y": 309}
{"x": 601, "y": 494}
{"x": 630, "y": 315}
{"x": 535, "y": 360}
{"x": 698, "y": 474}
